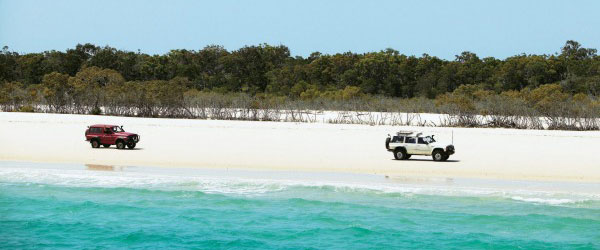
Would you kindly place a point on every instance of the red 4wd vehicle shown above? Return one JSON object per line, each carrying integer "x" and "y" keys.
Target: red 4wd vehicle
{"x": 106, "y": 135}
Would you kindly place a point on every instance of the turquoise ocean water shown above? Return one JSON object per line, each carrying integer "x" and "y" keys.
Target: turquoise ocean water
{"x": 69, "y": 206}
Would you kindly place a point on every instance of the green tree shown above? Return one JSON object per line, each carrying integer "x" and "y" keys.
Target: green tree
{"x": 88, "y": 87}
{"x": 56, "y": 91}
{"x": 8, "y": 65}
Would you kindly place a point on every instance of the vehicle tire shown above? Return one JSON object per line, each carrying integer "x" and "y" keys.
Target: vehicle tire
{"x": 106, "y": 145}
{"x": 131, "y": 145}
{"x": 446, "y": 156}
{"x": 400, "y": 154}
{"x": 407, "y": 156}
{"x": 120, "y": 145}
{"x": 95, "y": 144}
{"x": 438, "y": 155}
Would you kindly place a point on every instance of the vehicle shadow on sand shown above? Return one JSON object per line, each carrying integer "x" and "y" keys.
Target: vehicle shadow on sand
{"x": 428, "y": 160}
{"x": 125, "y": 149}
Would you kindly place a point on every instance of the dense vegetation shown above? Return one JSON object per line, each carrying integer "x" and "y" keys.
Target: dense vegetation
{"x": 92, "y": 79}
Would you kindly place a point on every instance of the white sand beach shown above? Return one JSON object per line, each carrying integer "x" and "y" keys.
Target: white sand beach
{"x": 481, "y": 153}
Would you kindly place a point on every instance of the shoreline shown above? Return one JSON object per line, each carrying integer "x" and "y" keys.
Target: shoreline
{"x": 405, "y": 175}
{"x": 482, "y": 153}
{"x": 80, "y": 175}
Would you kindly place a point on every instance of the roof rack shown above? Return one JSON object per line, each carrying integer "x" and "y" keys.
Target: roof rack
{"x": 406, "y": 132}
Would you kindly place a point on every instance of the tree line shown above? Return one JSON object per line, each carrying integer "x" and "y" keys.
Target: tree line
{"x": 213, "y": 83}
{"x": 271, "y": 69}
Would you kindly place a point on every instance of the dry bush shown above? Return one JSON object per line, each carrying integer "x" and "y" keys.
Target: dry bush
{"x": 100, "y": 91}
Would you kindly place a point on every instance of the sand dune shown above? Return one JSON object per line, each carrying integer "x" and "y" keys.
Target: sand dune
{"x": 481, "y": 153}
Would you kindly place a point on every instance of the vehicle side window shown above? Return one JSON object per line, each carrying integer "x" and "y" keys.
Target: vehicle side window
{"x": 421, "y": 141}
{"x": 410, "y": 140}
{"x": 399, "y": 139}
{"x": 95, "y": 130}
{"x": 107, "y": 130}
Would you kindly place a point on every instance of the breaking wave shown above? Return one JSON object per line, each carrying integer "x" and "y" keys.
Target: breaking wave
{"x": 232, "y": 184}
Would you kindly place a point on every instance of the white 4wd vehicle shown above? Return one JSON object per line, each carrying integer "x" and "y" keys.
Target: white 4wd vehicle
{"x": 407, "y": 143}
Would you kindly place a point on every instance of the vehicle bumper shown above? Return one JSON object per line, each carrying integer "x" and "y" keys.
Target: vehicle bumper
{"x": 134, "y": 139}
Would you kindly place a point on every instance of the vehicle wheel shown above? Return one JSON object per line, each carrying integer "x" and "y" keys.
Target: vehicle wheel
{"x": 106, "y": 145}
{"x": 131, "y": 145}
{"x": 438, "y": 155}
{"x": 120, "y": 145}
{"x": 95, "y": 144}
{"x": 399, "y": 154}
{"x": 445, "y": 157}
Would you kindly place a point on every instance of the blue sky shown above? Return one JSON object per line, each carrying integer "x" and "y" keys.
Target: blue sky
{"x": 439, "y": 28}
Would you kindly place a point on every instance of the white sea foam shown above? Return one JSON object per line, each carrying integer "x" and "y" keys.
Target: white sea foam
{"x": 243, "y": 183}
{"x": 550, "y": 201}
{"x": 84, "y": 178}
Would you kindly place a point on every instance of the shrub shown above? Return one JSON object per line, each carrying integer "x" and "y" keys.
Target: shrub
{"x": 27, "y": 108}
{"x": 96, "y": 111}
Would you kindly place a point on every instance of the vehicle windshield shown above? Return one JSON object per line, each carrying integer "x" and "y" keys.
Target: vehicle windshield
{"x": 117, "y": 129}
{"x": 429, "y": 139}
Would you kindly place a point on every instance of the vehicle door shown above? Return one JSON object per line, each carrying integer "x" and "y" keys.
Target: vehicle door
{"x": 107, "y": 136}
{"x": 411, "y": 145}
{"x": 422, "y": 146}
